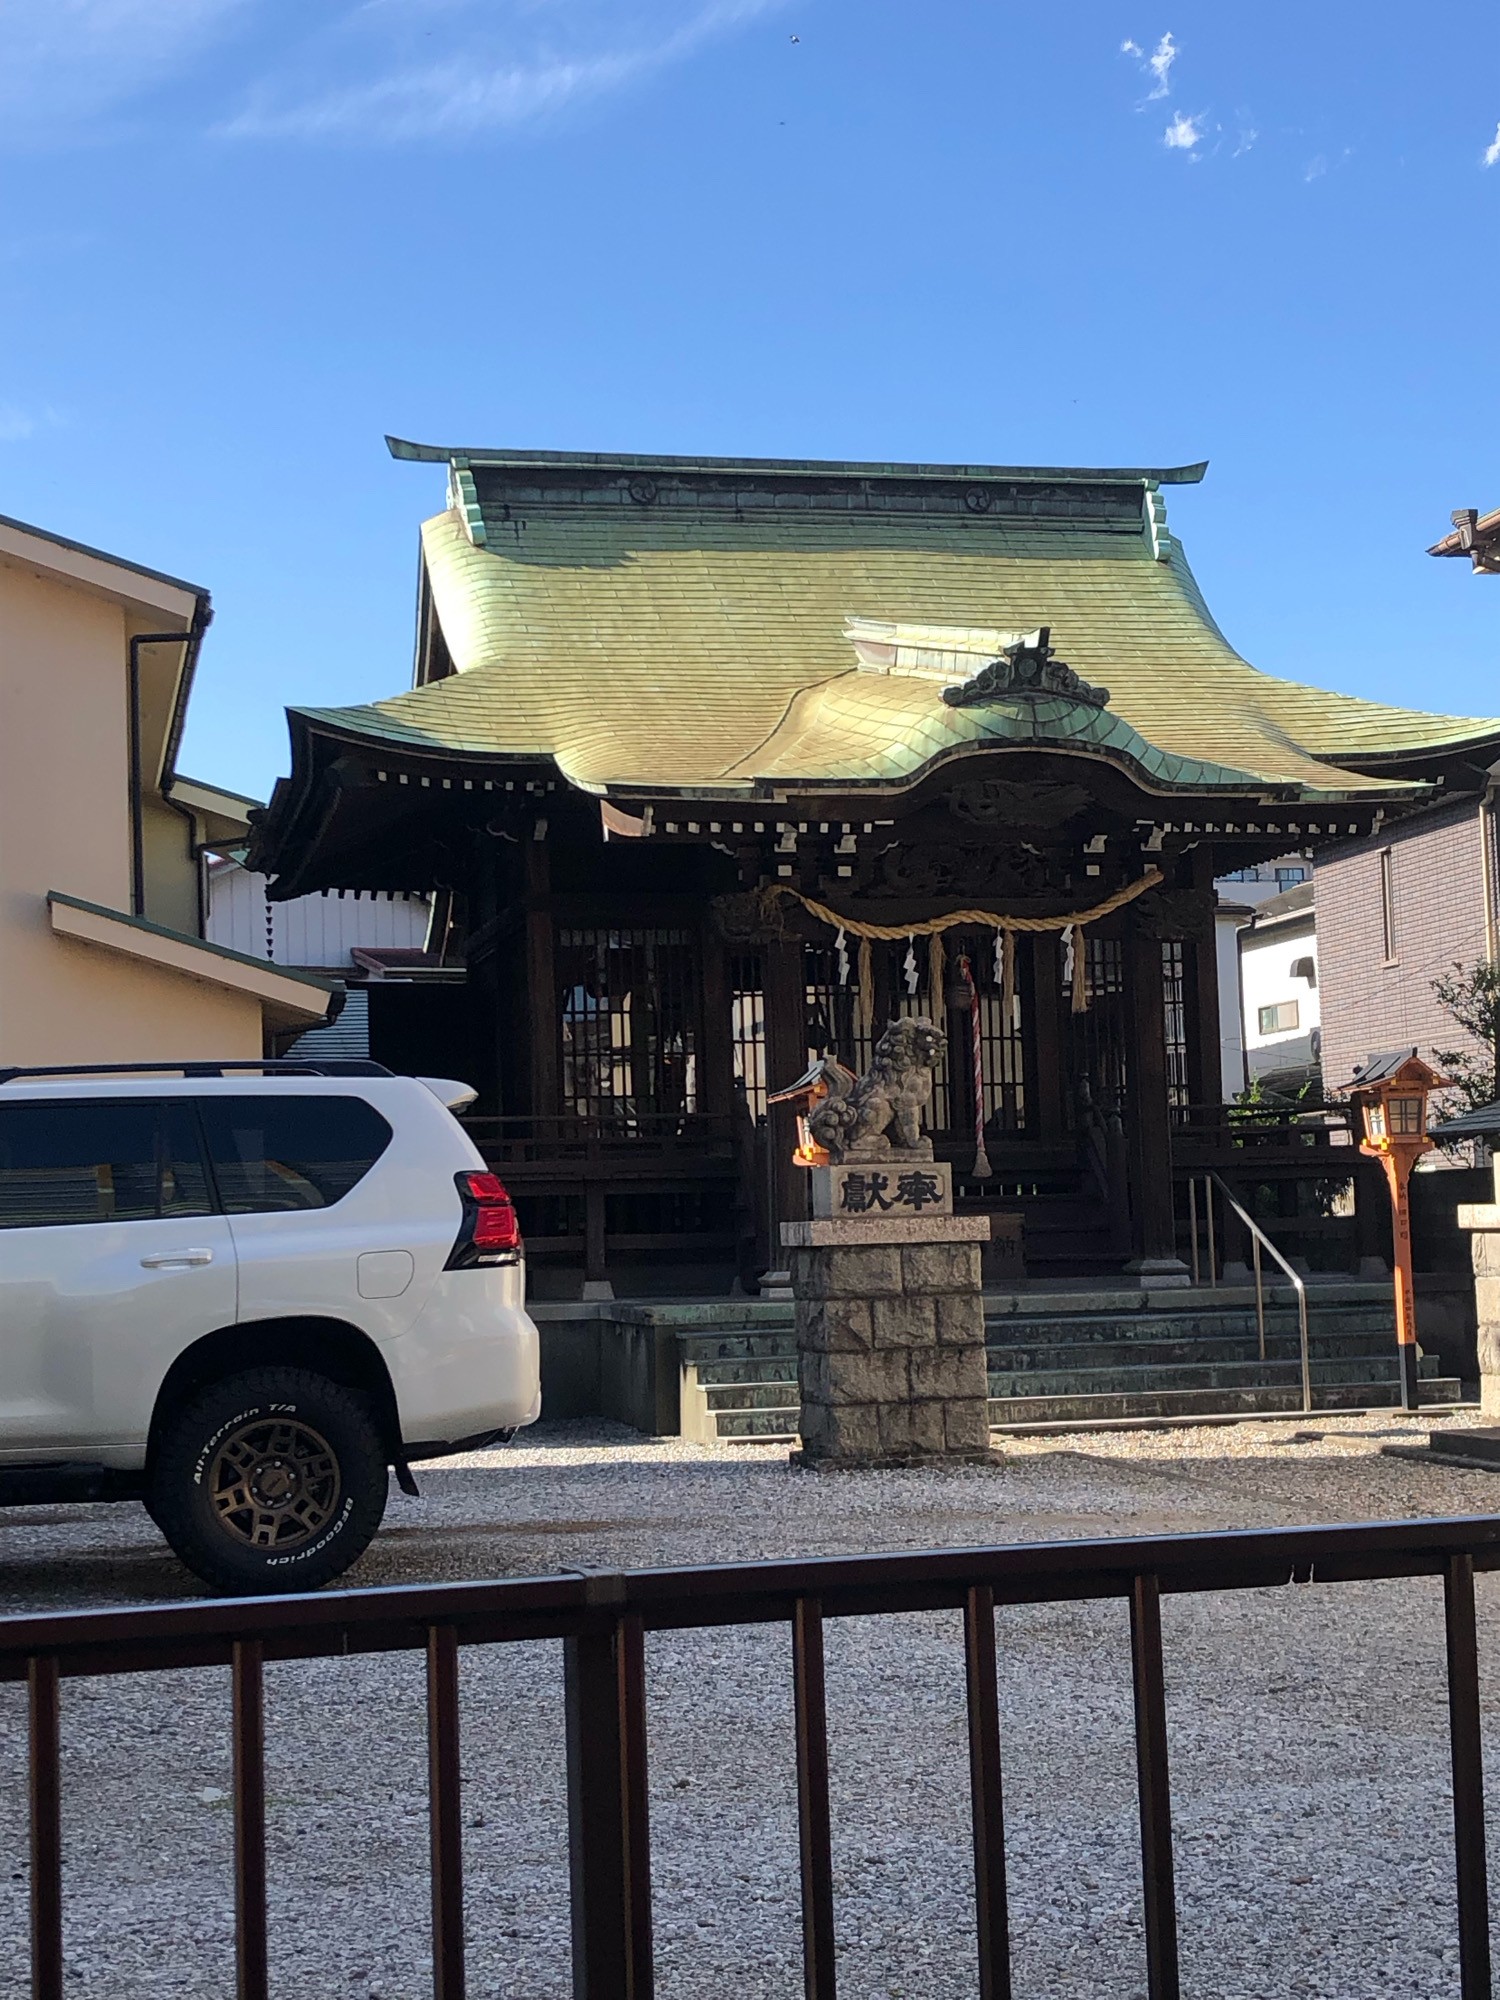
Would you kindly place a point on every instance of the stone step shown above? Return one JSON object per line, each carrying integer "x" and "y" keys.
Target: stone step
{"x": 1007, "y": 1329}
{"x": 1049, "y": 1355}
{"x": 752, "y": 1396}
{"x": 1119, "y": 1295}
{"x": 1331, "y": 1358}
{"x": 777, "y": 1362}
{"x": 763, "y": 1426}
{"x": 779, "y": 1423}
{"x": 1084, "y": 1409}
{"x": 1203, "y": 1375}
{"x": 762, "y": 1368}
{"x": 709, "y": 1350}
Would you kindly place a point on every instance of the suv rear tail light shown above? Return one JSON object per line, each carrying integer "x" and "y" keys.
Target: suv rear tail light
{"x": 490, "y": 1232}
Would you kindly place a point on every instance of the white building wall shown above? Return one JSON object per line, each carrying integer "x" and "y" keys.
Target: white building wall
{"x": 1266, "y": 980}
{"x": 317, "y": 930}
{"x": 1227, "y": 929}
{"x": 1257, "y": 885}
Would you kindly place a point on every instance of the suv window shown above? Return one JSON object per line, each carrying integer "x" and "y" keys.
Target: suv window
{"x": 67, "y": 1161}
{"x": 280, "y": 1153}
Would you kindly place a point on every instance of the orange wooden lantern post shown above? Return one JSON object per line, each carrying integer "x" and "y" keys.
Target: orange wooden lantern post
{"x": 1391, "y": 1091}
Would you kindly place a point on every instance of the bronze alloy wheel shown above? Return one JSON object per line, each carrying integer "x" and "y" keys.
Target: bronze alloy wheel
{"x": 274, "y": 1483}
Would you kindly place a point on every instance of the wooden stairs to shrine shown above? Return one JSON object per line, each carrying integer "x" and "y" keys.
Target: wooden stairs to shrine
{"x": 1066, "y": 1226}
{"x": 1084, "y": 1356}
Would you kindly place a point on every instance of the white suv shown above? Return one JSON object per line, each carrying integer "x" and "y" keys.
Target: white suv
{"x": 239, "y": 1292}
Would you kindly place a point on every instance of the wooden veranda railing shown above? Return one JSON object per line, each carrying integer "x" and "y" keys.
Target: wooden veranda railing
{"x": 648, "y": 1160}
{"x": 1301, "y": 1172}
{"x": 605, "y": 1621}
{"x": 624, "y": 1144}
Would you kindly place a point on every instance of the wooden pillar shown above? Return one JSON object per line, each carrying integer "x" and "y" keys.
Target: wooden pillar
{"x": 786, "y": 1059}
{"x": 715, "y": 1037}
{"x": 1152, "y": 1205}
{"x": 1200, "y": 962}
{"x": 543, "y": 1027}
{"x": 1039, "y": 961}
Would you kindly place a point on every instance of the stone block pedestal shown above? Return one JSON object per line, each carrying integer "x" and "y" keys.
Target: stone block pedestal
{"x": 1482, "y": 1220}
{"x": 890, "y": 1339}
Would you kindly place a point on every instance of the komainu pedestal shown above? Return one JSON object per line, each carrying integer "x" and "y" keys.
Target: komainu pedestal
{"x": 890, "y": 1339}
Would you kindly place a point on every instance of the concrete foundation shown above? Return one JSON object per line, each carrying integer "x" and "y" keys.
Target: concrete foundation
{"x": 890, "y": 1339}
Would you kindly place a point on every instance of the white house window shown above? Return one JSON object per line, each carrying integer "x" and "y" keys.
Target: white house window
{"x": 1277, "y": 1019}
{"x": 1288, "y": 878}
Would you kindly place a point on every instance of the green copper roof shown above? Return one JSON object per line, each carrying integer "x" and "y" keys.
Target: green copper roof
{"x": 790, "y": 624}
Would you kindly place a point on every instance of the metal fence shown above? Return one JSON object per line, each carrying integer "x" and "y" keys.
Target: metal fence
{"x": 604, "y": 1619}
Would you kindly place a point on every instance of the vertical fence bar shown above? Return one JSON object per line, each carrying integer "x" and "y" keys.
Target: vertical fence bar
{"x": 814, "y": 1816}
{"x": 1468, "y": 1780}
{"x": 445, "y": 1815}
{"x": 1154, "y": 1787}
{"x": 46, "y": 1827}
{"x": 984, "y": 1781}
{"x": 608, "y": 1825}
{"x": 247, "y": 1676}
{"x": 631, "y": 1685}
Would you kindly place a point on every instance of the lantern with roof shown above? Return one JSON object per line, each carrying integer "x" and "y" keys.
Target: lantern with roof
{"x": 1391, "y": 1092}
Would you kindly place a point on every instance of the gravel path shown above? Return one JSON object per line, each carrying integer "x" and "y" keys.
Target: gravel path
{"x": 1308, "y": 1740}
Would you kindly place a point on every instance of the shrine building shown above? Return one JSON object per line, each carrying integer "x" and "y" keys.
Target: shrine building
{"x": 718, "y": 765}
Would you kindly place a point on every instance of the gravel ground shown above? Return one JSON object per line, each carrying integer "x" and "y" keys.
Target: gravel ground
{"x": 1308, "y": 1739}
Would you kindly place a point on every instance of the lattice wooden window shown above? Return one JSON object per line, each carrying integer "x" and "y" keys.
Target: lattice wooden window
{"x": 1174, "y": 1022}
{"x": 628, "y": 1010}
{"x": 747, "y": 1028}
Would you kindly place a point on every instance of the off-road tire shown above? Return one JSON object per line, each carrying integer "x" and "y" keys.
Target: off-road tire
{"x": 274, "y": 1479}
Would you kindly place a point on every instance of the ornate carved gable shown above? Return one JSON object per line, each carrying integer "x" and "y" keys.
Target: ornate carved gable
{"x": 1026, "y": 671}
{"x": 1014, "y": 802}
{"x": 1011, "y": 869}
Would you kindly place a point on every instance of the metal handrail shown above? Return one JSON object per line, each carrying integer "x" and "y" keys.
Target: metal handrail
{"x": 1258, "y": 1241}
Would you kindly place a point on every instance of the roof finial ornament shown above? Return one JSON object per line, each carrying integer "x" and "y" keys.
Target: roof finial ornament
{"x": 1026, "y": 671}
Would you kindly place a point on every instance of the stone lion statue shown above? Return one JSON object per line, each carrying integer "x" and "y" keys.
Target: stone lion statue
{"x": 879, "y": 1116}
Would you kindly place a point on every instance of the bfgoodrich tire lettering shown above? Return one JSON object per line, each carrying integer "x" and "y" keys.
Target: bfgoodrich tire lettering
{"x": 274, "y": 1479}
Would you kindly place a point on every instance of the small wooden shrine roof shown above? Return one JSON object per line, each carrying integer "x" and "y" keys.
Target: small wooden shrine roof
{"x": 663, "y": 625}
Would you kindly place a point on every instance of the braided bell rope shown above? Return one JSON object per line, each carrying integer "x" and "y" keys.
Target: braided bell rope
{"x": 989, "y": 919}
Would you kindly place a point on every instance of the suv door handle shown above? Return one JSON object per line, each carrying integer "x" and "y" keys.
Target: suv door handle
{"x": 166, "y": 1259}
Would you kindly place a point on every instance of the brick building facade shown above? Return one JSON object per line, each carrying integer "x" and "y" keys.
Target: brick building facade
{"x": 1394, "y": 912}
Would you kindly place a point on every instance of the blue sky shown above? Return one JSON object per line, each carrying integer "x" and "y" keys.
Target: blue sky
{"x": 242, "y": 239}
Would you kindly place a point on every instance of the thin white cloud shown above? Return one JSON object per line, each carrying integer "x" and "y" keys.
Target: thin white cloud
{"x": 447, "y": 99}
{"x": 73, "y": 71}
{"x": 1244, "y": 140}
{"x": 18, "y": 424}
{"x": 1492, "y": 150}
{"x": 488, "y": 76}
{"x": 1158, "y": 65}
{"x": 1160, "y": 62}
{"x": 66, "y": 64}
{"x": 1185, "y": 133}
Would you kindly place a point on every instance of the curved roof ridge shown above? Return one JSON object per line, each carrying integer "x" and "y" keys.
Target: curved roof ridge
{"x": 618, "y": 461}
{"x": 635, "y": 646}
